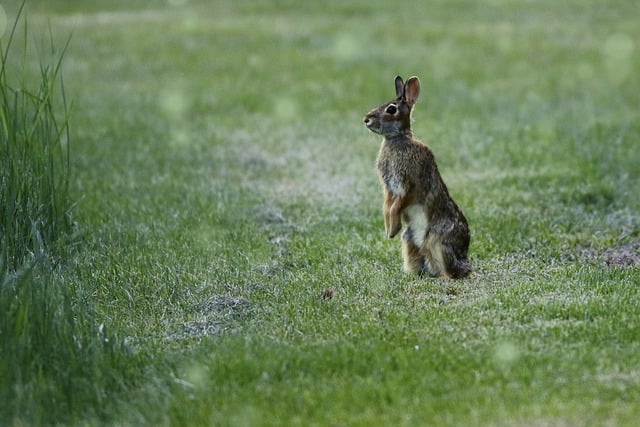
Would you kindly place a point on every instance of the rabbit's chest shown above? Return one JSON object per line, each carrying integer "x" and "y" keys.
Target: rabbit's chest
{"x": 392, "y": 178}
{"x": 394, "y": 186}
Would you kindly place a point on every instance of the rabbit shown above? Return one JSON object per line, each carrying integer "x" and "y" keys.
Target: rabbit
{"x": 436, "y": 238}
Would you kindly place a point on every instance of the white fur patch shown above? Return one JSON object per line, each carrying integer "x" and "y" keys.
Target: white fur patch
{"x": 418, "y": 223}
{"x": 396, "y": 188}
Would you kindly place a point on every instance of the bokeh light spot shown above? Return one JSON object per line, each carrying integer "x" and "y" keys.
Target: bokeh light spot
{"x": 618, "y": 52}
{"x": 618, "y": 46}
{"x": 506, "y": 354}
{"x": 176, "y": 3}
{"x": 196, "y": 375}
{"x": 174, "y": 102}
{"x": 286, "y": 109}
{"x": 345, "y": 47}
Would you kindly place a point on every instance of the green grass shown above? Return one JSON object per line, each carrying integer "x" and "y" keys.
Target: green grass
{"x": 34, "y": 149}
{"x": 224, "y": 178}
{"x": 57, "y": 362}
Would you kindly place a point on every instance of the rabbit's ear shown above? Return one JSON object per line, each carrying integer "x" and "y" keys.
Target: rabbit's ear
{"x": 399, "y": 87}
{"x": 411, "y": 90}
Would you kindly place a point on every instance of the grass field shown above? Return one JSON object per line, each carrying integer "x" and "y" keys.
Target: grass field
{"x": 223, "y": 178}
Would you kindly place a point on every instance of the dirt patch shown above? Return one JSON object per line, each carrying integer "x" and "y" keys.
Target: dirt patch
{"x": 279, "y": 229}
{"x": 623, "y": 256}
{"x": 225, "y": 304}
{"x": 215, "y": 316}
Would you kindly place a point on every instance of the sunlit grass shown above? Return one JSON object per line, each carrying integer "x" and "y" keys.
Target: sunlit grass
{"x": 34, "y": 152}
{"x": 56, "y": 361}
{"x": 225, "y": 179}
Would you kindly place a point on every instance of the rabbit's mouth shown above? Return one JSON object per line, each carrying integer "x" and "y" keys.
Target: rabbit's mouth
{"x": 372, "y": 125}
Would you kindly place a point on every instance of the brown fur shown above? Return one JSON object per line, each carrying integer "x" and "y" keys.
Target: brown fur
{"x": 436, "y": 237}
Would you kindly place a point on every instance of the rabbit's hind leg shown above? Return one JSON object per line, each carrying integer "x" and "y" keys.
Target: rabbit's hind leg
{"x": 414, "y": 260}
{"x": 434, "y": 263}
{"x": 456, "y": 266}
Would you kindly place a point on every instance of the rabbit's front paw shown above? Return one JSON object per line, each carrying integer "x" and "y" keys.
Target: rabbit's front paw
{"x": 393, "y": 231}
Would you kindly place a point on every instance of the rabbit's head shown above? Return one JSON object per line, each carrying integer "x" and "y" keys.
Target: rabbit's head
{"x": 394, "y": 118}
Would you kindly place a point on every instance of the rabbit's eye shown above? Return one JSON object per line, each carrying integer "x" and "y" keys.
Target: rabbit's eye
{"x": 391, "y": 109}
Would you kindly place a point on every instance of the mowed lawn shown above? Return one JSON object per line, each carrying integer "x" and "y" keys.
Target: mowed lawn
{"x": 224, "y": 179}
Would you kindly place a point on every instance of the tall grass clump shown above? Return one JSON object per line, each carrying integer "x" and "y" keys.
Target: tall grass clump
{"x": 34, "y": 155}
{"x": 57, "y": 362}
